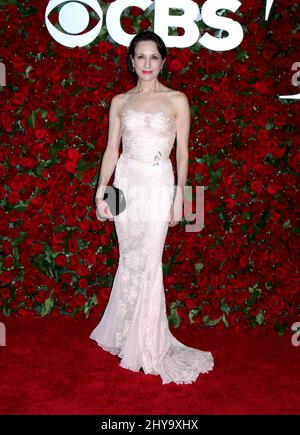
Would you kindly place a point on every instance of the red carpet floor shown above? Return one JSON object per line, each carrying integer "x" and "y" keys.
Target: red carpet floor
{"x": 51, "y": 366}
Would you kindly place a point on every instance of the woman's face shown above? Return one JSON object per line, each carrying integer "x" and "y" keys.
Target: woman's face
{"x": 147, "y": 60}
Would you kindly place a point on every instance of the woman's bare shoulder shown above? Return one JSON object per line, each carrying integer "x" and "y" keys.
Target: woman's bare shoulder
{"x": 179, "y": 98}
{"x": 120, "y": 99}
{"x": 170, "y": 91}
{"x": 180, "y": 103}
{"x": 176, "y": 97}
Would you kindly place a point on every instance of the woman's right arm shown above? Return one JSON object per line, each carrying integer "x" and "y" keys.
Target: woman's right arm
{"x": 111, "y": 154}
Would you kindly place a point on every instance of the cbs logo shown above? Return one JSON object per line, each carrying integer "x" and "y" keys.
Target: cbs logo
{"x": 74, "y": 18}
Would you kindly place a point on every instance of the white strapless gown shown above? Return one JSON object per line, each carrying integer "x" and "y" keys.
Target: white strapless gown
{"x": 134, "y": 325}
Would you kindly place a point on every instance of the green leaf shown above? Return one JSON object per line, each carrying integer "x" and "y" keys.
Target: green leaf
{"x": 192, "y": 314}
{"x": 6, "y": 310}
{"x": 247, "y": 215}
{"x": 198, "y": 177}
{"x": 174, "y": 317}
{"x": 168, "y": 266}
{"x": 269, "y": 125}
{"x": 194, "y": 110}
{"x": 279, "y": 327}
{"x": 242, "y": 55}
{"x": 110, "y": 262}
{"x": 31, "y": 119}
{"x": 16, "y": 254}
{"x": 38, "y": 171}
{"x": 28, "y": 69}
{"x": 236, "y": 141}
{"x": 89, "y": 305}
{"x": 287, "y": 224}
{"x": 199, "y": 160}
{"x": 216, "y": 175}
{"x": 225, "y": 321}
{"x": 210, "y": 160}
{"x": 198, "y": 267}
{"x": 81, "y": 168}
{"x": 209, "y": 322}
{"x": 260, "y": 318}
{"x": 268, "y": 285}
{"x": 47, "y": 306}
{"x": 224, "y": 306}
{"x": 205, "y": 88}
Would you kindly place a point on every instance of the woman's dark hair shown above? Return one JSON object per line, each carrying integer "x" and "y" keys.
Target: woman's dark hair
{"x": 146, "y": 35}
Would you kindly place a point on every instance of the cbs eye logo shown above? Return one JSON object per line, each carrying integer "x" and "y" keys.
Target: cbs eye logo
{"x": 74, "y": 18}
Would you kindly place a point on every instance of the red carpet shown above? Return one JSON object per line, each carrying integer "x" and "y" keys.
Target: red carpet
{"x": 51, "y": 366}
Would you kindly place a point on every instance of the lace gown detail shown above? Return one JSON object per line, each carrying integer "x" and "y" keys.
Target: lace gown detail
{"x": 134, "y": 325}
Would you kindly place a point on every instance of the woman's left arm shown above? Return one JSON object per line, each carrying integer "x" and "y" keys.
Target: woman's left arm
{"x": 182, "y": 156}
{"x": 182, "y": 140}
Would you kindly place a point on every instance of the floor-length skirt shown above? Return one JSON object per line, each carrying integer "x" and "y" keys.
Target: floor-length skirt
{"x": 134, "y": 325}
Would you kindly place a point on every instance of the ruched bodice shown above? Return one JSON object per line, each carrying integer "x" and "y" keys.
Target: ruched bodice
{"x": 147, "y": 137}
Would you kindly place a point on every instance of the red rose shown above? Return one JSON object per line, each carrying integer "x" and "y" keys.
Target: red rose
{"x": 82, "y": 270}
{"x": 183, "y": 314}
{"x": 181, "y": 296}
{"x": 41, "y": 296}
{"x": 55, "y": 312}
{"x": 191, "y": 303}
{"x": 126, "y": 23}
{"x": 145, "y": 24}
{"x": 279, "y": 120}
{"x": 135, "y": 11}
{"x": 37, "y": 249}
{"x": 71, "y": 166}
{"x": 41, "y": 133}
{"x": 7, "y": 277}
{"x": 243, "y": 261}
{"x": 18, "y": 99}
{"x": 5, "y": 293}
{"x": 197, "y": 320}
{"x": 256, "y": 186}
{"x": 13, "y": 197}
{"x": 82, "y": 283}
{"x": 66, "y": 278}
{"x": 273, "y": 188}
{"x": 25, "y": 313}
{"x": 61, "y": 260}
{"x": 175, "y": 65}
{"x": 104, "y": 293}
{"x": 74, "y": 154}
{"x": 8, "y": 262}
{"x": 170, "y": 280}
{"x": 229, "y": 202}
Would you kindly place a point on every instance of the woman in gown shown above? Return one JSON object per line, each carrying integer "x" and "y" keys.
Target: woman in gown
{"x": 134, "y": 325}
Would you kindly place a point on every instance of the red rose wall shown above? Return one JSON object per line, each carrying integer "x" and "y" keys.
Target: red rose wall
{"x": 57, "y": 259}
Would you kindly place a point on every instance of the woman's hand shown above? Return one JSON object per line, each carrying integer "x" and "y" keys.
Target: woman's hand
{"x": 102, "y": 210}
{"x": 175, "y": 215}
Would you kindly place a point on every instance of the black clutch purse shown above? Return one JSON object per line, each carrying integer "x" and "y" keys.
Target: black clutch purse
{"x": 115, "y": 199}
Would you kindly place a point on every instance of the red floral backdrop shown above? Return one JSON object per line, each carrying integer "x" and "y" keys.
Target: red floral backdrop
{"x": 57, "y": 259}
